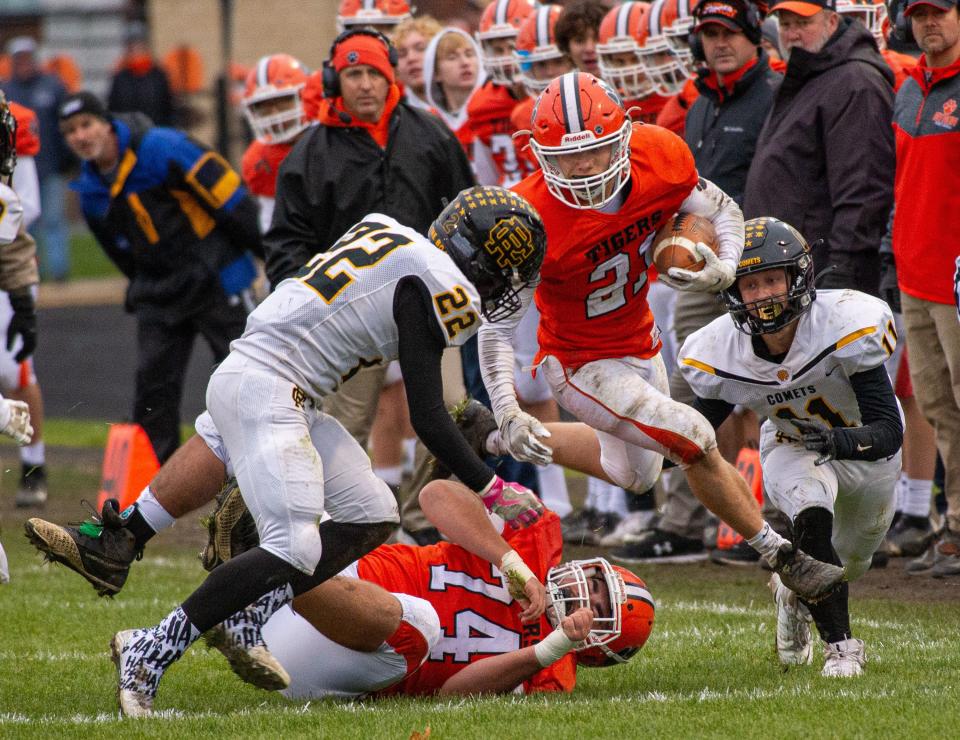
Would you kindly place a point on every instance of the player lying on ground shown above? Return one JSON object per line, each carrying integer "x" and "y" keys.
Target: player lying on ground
{"x": 812, "y": 363}
{"x": 381, "y": 293}
{"x": 449, "y": 624}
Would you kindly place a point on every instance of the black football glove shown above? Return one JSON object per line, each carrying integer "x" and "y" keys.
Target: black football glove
{"x": 817, "y": 438}
{"x": 889, "y": 290}
{"x": 23, "y": 323}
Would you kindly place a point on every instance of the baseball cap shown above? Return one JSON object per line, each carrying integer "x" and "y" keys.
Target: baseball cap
{"x": 83, "y": 102}
{"x": 939, "y": 4}
{"x": 805, "y": 7}
{"x": 730, "y": 14}
{"x": 21, "y": 45}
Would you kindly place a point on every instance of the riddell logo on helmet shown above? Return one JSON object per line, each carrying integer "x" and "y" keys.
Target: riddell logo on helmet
{"x": 576, "y": 138}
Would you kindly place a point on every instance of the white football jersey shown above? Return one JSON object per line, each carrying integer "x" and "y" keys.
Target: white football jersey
{"x": 319, "y": 328}
{"x": 11, "y": 214}
{"x": 845, "y": 332}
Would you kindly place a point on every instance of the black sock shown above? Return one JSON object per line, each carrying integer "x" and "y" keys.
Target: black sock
{"x": 813, "y": 529}
{"x": 138, "y": 526}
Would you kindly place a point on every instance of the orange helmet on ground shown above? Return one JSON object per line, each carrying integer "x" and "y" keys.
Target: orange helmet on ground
{"x": 618, "y": 633}
{"x": 272, "y": 99}
{"x": 380, "y": 14}
{"x": 624, "y": 31}
{"x": 502, "y": 20}
{"x": 536, "y": 42}
{"x": 873, "y": 13}
{"x": 578, "y": 113}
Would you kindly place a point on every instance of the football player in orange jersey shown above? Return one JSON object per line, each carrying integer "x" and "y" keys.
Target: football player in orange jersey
{"x": 487, "y": 133}
{"x": 465, "y": 634}
{"x": 623, "y": 34}
{"x": 604, "y": 188}
{"x": 873, "y": 14}
{"x": 380, "y": 15}
{"x": 273, "y": 106}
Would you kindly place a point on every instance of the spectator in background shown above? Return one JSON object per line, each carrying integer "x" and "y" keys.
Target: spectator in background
{"x": 770, "y": 41}
{"x": 411, "y": 39}
{"x": 577, "y": 34}
{"x": 44, "y": 93}
{"x": 810, "y": 167}
{"x": 451, "y": 74}
{"x": 925, "y": 226}
{"x": 175, "y": 219}
{"x": 140, "y": 85}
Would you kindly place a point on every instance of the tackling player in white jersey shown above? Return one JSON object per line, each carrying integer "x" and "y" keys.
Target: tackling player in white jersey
{"x": 381, "y": 293}
{"x": 812, "y": 363}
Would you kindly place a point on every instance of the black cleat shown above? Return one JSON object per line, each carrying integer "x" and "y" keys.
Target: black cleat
{"x": 101, "y": 549}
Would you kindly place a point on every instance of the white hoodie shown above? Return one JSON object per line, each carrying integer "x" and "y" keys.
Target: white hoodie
{"x": 454, "y": 119}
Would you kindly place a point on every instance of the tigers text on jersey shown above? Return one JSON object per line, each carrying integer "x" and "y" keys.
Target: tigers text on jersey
{"x": 478, "y": 618}
{"x": 593, "y": 291}
{"x": 845, "y": 332}
{"x": 320, "y": 327}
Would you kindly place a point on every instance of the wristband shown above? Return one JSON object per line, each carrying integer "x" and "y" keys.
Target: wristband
{"x": 516, "y": 572}
{"x": 553, "y": 647}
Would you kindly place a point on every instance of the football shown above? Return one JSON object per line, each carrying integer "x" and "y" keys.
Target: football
{"x": 675, "y": 242}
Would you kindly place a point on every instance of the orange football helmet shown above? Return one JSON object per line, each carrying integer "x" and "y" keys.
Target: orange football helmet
{"x": 536, "y": 43}
{"x": 616, "y": 636}
{"x": 873, "y": 14}
{"x": 678, "y": 23}
{"x": 580, "y": 113}
{"x": 664, "y": 66}
{"x": 502, "y": 20}
{"x": 383, "y": 15}
{"x": 623, "y": 30}
{"x": 277, "y": 79}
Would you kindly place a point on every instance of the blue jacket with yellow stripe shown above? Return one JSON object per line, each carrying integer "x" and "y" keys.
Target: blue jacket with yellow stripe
{"x": 174, "y": 217}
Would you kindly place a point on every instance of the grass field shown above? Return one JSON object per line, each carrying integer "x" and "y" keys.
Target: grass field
{"x": 708, "y": 670}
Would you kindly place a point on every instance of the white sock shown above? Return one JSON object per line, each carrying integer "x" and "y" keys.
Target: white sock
{"x": 153, "y": 512}
{"x": 33, "y": 455}
{"x": 901, "y": 491}
{"x": 553, "y": 489}
{"x": 766, "y": 542}
{"x": 409, "y": 454}
{"x": 391, "y": 476}
{"x": 916, "y": 497}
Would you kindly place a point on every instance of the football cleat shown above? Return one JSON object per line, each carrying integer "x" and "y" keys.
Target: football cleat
{"x": 475, "y": 422}
{"x": 231, "y": 529}
{"x": 101, "y": 549}
{"x": 844, "y": 659}
{"x": 809, "y": 578}
{"x": 32, "y": 491}
{"x": 794, "y": 641}
{"x": 240, "y": 640}
{"x": 137, "y": 680}
{"x": 909, "y": 536}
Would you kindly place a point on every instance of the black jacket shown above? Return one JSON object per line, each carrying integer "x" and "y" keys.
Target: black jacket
{"x": 722, "y": 128}
{"x": 334, "y": 176}
{"x": 825, "y": 159}
{"x": 148, "y": 94}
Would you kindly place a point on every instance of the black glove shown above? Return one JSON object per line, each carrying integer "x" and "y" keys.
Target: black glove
{"x": 23, "y": 323}
{"x": 817, "y": 438}
{"x": 889, "y": 290}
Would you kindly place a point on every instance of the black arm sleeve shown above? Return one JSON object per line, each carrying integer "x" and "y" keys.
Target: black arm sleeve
{"x": 715, "y": 411}
{"x": 421, "y": 349}
{"x": 882, "y": 432}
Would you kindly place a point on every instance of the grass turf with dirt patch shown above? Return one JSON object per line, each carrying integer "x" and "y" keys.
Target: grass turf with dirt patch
{"x": 709, "y": 668}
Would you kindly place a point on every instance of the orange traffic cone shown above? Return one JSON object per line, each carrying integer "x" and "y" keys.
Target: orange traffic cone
{"x": 129, "y": 464}
{"x": 748, "y": 465}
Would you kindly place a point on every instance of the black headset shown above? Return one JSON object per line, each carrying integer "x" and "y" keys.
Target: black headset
{"x": 752, "y": 31}
{"x": 899, "y": 22}
{"x": 330, "y": 77}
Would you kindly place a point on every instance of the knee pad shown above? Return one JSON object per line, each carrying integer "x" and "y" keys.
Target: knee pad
{"x": 418, "y": 633}
{"x": 813, "y": 533}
